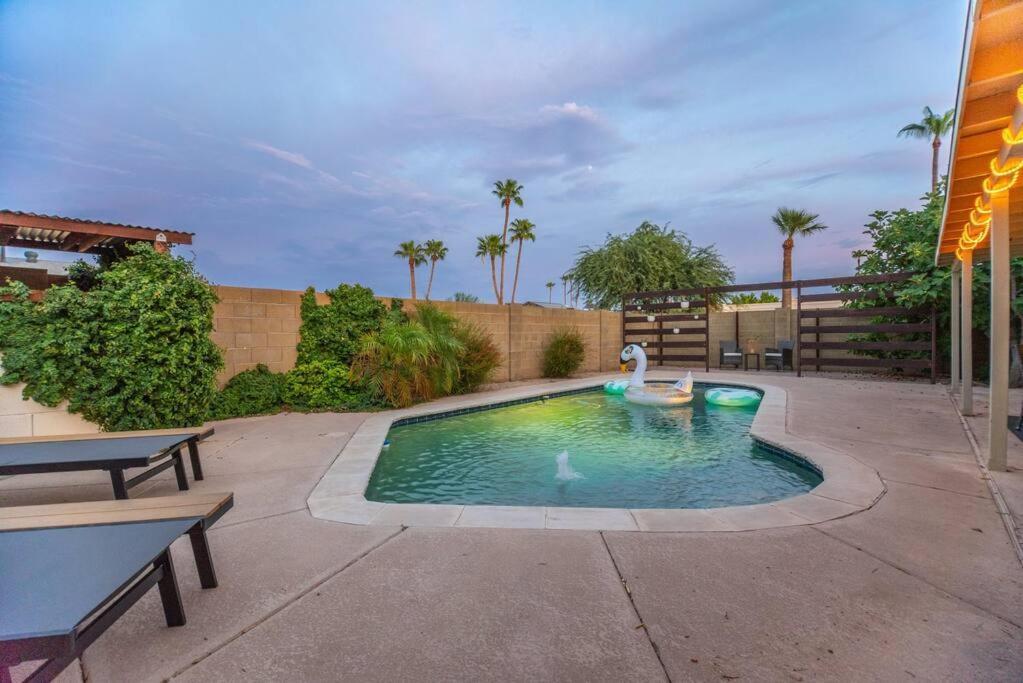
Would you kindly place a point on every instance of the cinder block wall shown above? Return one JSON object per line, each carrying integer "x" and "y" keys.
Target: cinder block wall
{"x": 19, "y": 417}
{"x": 253, "y": 326}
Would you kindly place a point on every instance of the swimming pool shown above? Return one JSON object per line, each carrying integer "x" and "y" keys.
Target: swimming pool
{"x": 619, "y": 455}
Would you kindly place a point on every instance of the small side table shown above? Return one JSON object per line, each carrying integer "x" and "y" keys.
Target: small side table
{"x": 745, "y": 360}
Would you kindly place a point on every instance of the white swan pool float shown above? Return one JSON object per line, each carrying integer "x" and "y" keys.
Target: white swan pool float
{"x": 636, "y": 390}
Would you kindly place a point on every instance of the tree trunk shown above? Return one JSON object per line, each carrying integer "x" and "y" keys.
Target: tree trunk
{"x": 493, "y": 278}
{"x": 786, "y": 272}
{"x": 429, "y": 283}
{"x": 935, "y": 146}
{"x": 504, "y": 252}
{"x": 515, "y": 282}
{"x": 564, "y": 293}
{"x": 412, "y": 277}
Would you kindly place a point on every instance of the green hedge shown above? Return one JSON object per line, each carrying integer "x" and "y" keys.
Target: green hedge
{"x": 134, "y": 352}
{"x": 323, "y": 386}
{"x": 252, "y": 392}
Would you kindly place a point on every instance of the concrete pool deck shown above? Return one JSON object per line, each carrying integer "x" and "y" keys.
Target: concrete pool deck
{"x": 923, "y": 585}
{"x": 849, "y": 486}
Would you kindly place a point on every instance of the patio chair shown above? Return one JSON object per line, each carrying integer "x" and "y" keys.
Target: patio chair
{"x": 156, "y": 450}
{"x": 780, "y": 356}
{"x": 730, "y": 354}
{"x": 77, "y": 567}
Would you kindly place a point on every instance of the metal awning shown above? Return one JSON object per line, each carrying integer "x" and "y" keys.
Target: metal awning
{"x": 59, "y": 233}
{"x": 987, "y": 141}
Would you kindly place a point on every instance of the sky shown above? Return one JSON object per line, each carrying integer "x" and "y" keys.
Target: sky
{"x": 302, "y": 141}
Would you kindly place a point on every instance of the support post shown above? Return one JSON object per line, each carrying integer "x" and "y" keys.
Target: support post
{"x": 966, "y": 403}
{"x": 956, "y": 327}
{"x": 798, "y": 357}
{"x": 998, "y": 398}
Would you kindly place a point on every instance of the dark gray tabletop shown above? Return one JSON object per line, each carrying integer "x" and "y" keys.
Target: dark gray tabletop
{"x": 52, "y": 579}
{"x": 127, "y": 451}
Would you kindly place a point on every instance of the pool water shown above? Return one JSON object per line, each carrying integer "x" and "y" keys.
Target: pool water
{"x": 623, "y": 455}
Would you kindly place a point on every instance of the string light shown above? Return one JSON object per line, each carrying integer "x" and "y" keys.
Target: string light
{"x": 1003, "y": 177}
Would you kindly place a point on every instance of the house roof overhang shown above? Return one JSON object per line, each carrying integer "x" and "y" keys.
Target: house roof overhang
{"x": 988, "y": 135}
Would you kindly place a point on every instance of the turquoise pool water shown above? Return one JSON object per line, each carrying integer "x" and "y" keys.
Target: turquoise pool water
{"x": 625, "y": 456}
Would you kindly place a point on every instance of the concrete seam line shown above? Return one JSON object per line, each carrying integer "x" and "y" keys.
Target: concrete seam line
{"x": 936, "y": 488}
{"x": 921, "y": 579}
{"x": 628, "y": 594}
{"x": 992, "y": 485}
{"x": 277, "y": 610}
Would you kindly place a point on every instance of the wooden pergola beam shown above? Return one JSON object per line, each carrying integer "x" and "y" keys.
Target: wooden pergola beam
{"x": 128, "y": 232}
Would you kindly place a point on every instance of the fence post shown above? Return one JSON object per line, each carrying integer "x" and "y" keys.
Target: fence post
{"x": 706, "y": 329}
{"x": 934, "y": 344}
{"x": 798, "y": 360}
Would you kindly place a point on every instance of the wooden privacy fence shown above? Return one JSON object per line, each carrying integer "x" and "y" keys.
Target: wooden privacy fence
{"x": 676, "y": 316}
{"x": 679, "y": 318}
{"x": 914, "y": 322}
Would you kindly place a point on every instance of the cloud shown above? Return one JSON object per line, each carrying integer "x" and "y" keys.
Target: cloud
{"x": 282, "y": 154}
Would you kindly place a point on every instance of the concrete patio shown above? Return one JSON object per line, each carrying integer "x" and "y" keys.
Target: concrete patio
{"x": 923, "y": 585}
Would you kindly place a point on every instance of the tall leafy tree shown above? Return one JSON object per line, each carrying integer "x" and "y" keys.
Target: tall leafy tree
{"x": 490, "y": 246}
{"x": 550, "y": 291}
{"x": 521, "y": 232}
{"x": 650, "y": 257}
{"x": 508, "y": 192}
{"x": 931, "y": 127}
{"x": 793, "y": 222}
{"x": 415, "y": 255}
{"x": 435, "y": 251}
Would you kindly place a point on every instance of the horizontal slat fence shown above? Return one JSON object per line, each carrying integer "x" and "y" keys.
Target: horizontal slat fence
{"x": 651, "y": 318}
{"x": 664, "y": 322}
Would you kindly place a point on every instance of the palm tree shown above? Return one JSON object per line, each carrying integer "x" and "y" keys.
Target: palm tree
{"x": 508, "y": 191}
{"x": 435, "y": 251}
{"x": 792, "y": 222}
{"x": 565, "y": 279}
{"x": 521, "y": 231}
{"x": 550, "y": 291}
{"x": 490, "y": 246}
{"x": 932, "y": 127}
{"x": 416, "y": 257}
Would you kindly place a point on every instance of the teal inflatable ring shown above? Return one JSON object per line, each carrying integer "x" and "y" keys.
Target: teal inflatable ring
{"x": 732, "y": 397}
{"x": 616, "y": 386}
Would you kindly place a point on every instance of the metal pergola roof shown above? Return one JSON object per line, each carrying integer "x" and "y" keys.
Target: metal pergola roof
{"x": 59, "y": 233}
{"x": 989, "y": 103}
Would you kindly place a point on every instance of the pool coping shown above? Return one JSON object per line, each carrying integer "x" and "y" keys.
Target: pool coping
{"x": 849, "y": 486}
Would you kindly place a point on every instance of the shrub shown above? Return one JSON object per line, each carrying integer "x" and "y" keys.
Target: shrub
{"x": 132, "y": 353}
{"x": 395, "y": 364}
{"x": 563, "y": 353}
{"x": 333, "y": 331}
{"x": 252, "y": 392}
{"x": 323, "y": 386}
{"x": 478, "y": 359}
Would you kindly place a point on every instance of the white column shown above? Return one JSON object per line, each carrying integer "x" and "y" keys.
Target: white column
{"x": 956, "y": 328}
{"x": 967, "y": 334}
{"x": 998, "y": 402}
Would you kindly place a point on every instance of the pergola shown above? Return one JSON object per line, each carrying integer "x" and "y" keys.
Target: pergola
{"x": 983, "y": 218}
{"x": 57, "y": 233}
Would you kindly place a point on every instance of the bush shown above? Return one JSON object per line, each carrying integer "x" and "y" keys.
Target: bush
{"x": 333, "y": 331}
{"x": 478, "y": 359}
{"x": 132, "y": 353}
{"x": 252, "y": 392}
{"x": 323, "y": 386}
{"x": 564, "y": 353}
